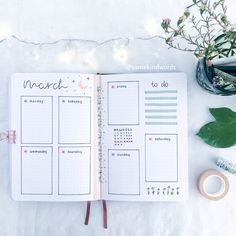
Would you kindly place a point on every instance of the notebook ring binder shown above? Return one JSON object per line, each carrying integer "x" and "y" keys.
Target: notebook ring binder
{"x": 100, "y": 134}
{"x": 9, "y": 135}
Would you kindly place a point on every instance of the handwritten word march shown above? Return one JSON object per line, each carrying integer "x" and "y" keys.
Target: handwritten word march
{"x": 47, "y": 85}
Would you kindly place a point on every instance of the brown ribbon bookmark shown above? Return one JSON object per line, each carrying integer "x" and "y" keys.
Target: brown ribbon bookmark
{"x": 104, "y": 206}
{"x": 87, "y": 213}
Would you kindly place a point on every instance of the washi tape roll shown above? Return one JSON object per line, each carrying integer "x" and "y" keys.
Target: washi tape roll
{"x": 213, "y": 185}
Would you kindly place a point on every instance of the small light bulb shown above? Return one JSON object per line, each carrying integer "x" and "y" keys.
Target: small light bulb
{"x": 66, "y": 57}
{"x": 90, "y": 60}
{"x": 120, "y": 54}
{"x": 152, "y": 27}
{"x": 36, "y": 57}
{"x": 5, "y": 31}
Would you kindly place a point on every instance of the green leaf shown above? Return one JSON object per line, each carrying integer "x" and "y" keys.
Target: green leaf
{"x": 176, "y": 33}
{"x": 202, "y": 11}
{"x": 168, "y": 40}
{"x": 164, "y": 26}
{"x": 187, "y": 13}
{"x": 180, "y": 21}
{"x": 224, "y": 115}
{"x": 224, "y": 19}
{"x": 219, "y": 135}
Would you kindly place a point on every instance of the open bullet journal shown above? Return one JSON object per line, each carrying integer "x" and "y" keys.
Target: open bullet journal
{"x": 84, "y": 137}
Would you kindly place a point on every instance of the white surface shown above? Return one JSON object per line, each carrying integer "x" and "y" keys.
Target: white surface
{"x": 36, "y": 20}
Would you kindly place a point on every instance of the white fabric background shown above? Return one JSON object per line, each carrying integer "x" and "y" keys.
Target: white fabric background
{"x": 45, "y": 20}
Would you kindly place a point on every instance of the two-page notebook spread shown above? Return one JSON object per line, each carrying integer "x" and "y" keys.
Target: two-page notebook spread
{"x": 87, "y": 137}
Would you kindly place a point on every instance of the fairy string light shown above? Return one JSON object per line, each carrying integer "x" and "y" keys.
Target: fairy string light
{"x": 120, "y": 52}
{"x": 69, "y": 40}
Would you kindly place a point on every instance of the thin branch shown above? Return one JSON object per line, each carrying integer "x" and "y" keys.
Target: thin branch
{"x": 212, "y": 20}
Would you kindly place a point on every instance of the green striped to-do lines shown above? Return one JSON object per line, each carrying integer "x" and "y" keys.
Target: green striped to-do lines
{"x": 161, "y": 117}
{"x": 160, "y": 111}
{"x": 160, "y": 123}
{"x": 161, "y": 104}
{"x": 160, "y": 98}
{"x": 158, "y": 103}
{"x": 160, "y": 91}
